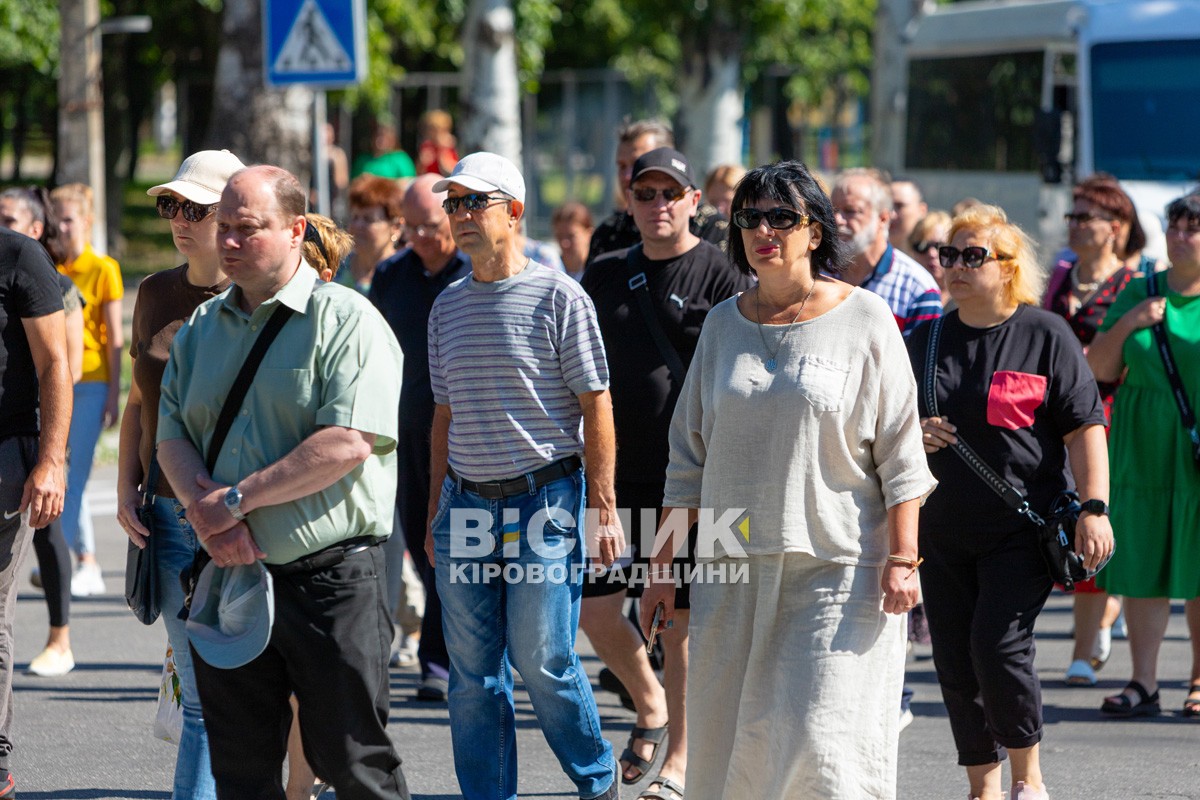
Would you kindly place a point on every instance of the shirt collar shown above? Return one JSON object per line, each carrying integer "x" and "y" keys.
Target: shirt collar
{"x": 294, "y": 294}
{"x": 884, "y": 266}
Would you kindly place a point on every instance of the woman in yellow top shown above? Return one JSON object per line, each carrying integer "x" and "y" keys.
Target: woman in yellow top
{"x": 98, "y": 279}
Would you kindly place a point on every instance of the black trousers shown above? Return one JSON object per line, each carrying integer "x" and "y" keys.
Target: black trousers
{"x": 983, "y": 593}
{"x": 412, "y": 512}
{"x": 54, "y": 565}
{"x": 330, "y": 645}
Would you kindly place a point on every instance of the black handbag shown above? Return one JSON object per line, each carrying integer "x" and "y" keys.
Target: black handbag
{"x": 1056, "y": 531}
{"x": 141, "y": 567}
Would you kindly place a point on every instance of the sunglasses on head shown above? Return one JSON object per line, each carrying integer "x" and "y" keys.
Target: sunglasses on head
{"x": 972, "y": 257}
{"x": 1083, "y": 217}
{"x": 472, "y": 202}
{"x": 646, "y": 194}
{"x": 168, "y": 208}
{"x": 777, "y": 218}
{"x": 924, "y": 245}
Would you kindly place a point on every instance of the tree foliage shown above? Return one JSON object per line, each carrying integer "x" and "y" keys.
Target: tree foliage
{"x": 29, "y": 34}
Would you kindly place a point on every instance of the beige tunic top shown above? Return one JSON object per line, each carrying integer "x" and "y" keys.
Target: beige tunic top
{"x": 816, "y": 451}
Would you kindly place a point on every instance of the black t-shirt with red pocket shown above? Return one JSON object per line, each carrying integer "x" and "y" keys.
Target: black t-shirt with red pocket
{"x": 1013, "y": 391}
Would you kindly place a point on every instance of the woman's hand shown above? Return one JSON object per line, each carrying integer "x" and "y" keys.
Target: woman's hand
{"x": 936, "y": 433}
{"x": 128, "y": 502}
{"x": 1093, "y": 539}
{"x": 1146, "y": 313}
{"x": 659, "y": 591}
{"x": 899, "y": 585}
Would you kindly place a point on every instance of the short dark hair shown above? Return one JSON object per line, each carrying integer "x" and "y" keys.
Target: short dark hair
{"x": 573, "y": 212}
{"x": 631, "y": 131}
{"x": 1186, "y": 207}
{"x": 789, "y": 183}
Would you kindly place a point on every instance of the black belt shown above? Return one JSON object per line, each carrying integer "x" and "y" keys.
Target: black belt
{"x": 495, "y": 490}
{"x": 327, "y": 557}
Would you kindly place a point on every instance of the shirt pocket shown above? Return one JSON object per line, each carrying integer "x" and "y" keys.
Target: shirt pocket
{"x": 822, "y": 382}
{"x": 1013, "y": 398}
{"x": 290, "y": 387}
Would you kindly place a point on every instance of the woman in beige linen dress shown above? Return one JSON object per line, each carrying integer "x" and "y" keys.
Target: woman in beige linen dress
{"x": 800, "y": 408}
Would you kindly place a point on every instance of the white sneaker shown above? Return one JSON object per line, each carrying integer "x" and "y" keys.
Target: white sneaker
{"x": 87, "y": 580}
{"x": 51, "y": 663}
{"x": 906, "y": 718}
{"x": 406, "y": 654}
{"x": 1103, "y": 648}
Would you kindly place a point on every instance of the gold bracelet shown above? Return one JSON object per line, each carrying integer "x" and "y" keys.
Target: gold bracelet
{"x": 908, "y": 562}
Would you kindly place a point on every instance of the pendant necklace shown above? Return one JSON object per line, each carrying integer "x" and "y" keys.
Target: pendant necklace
{"x": 770, "y": 363}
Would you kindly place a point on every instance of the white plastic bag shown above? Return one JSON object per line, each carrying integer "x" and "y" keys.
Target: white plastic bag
{"x": 168, "y": 721}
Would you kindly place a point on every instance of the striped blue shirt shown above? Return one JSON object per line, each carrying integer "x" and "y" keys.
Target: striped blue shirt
{"x": 510, "y": 359}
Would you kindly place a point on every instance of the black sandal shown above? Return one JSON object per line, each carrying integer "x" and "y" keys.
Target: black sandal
{"x": 654, "y": 736}
{"x": 1120, "y": 705}
{"x": 1191, "y": 706}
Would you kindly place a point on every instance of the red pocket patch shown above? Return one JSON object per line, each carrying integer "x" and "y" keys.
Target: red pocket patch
{"x": 1013, "y": 397}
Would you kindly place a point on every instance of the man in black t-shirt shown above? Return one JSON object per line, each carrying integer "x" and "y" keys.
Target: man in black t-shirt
{"x": 34, "y": 375}
{"x": 684, "y": 277}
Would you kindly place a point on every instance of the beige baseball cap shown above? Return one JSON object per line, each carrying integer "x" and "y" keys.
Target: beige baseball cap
{"x": 202, "y": 176}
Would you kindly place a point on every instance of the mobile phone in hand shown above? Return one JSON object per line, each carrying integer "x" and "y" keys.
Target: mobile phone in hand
{"x": 655, "y": 624}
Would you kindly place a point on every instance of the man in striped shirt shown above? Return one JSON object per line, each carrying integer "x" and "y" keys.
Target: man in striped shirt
{"x": 516, "y": 363}
{"x": 862, "y": 200}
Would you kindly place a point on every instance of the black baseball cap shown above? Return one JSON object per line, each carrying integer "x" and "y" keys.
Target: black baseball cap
{"x": 666, "y": 160}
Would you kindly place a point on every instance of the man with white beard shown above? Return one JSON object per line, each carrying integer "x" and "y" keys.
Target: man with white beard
{"x": 862, "y": 202}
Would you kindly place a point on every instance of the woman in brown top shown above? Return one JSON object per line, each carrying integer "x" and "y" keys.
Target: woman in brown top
{"x": 165, "y": 301}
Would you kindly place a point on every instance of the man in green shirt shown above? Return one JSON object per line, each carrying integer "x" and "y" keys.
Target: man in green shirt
{"x": 305, "y": 481}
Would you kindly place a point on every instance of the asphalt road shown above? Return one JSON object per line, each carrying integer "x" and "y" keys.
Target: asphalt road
{"x": 88, "y": 734}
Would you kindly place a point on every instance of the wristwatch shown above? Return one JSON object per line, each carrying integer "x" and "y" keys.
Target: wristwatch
{"x": 1098, "y": 507}
{"x": 233, "y": 503}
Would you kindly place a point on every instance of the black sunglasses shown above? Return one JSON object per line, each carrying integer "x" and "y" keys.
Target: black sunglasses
{"x": 777, "y": 218}
{"x": 472, "y": 202}
{"x": 972, "y": 257}
{"x": 1082, "y": 218}
{"x": 924, "y": 245}
{"x": 646, "y": 194}
{"x": 168, "y": 208}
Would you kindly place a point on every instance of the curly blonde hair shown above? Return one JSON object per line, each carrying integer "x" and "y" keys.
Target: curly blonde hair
{"x": 329, "y": 248}
{"x": 1011, "y": 246}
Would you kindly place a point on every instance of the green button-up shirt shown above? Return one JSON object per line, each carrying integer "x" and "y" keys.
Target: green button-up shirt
{"x": 335, "y": 362}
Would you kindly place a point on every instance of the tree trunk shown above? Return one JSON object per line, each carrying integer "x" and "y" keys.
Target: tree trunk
{"x": 711, "y": 99}
{"x": 491, "y": 105}
{"x": 258, "y": 124}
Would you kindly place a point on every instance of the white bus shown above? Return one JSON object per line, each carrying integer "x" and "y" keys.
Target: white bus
{"x": 1011, "y": 101}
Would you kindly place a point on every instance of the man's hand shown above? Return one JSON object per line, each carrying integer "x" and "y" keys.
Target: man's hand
{"x": 43, "y": 493}
{"x": 234, "y": 546}
{"x": 207, "y": 513}
{"x": 605, "y": 537}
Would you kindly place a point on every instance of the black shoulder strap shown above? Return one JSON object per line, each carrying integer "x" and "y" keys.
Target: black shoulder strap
{"x": 1163, "y": 344}
{"x": 637, "y": 285}
{"x": 1011, "y": 496}
{"x": 241, "y": 384}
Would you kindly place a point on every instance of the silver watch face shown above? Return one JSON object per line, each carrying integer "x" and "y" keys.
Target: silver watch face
{"x": 233, "y": 499}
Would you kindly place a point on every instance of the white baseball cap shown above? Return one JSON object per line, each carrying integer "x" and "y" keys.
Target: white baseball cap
{"x": 233, "y": 609}
{"x": 485, "y": 172}
{"x": 202, "y": 176}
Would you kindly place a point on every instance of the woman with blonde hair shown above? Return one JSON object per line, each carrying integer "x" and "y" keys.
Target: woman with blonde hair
{"x": 97, "y": 394}
{"x": 928, "y": 235}
{"x": 1009, "y": 380}
{"x": 720, "y": 184}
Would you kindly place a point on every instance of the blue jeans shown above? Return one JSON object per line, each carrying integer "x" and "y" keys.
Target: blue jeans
{"x": 87, "y": 419}
{"x": 177, "y": 546}
{"x": 520, "y": 618}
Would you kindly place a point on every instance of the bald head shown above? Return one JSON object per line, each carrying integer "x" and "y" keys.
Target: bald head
{"x": 420, "y": 195}
{"x": 427, "y": 223}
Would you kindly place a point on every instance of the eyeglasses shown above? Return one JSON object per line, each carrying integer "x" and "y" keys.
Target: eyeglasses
{"x": 472, "y": 202}
{"x": 168, "y": 208}
{"x": 1083, "y": 218}
{"x": 778, "y": 218}
{"x": 972, "y": 257}
{"x": 646, "y": 194}
{"x": 368, "y": 217}
{"x": 425, "y": 228}
{"x": 1191, "y": 225}
{"x": 924, "y": 245}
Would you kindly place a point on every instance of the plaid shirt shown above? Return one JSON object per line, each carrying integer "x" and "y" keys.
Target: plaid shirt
{"x": 907, "y": 287}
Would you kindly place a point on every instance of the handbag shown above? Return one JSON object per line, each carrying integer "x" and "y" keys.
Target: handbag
{"x": 168, "y": 718}
{"x": 1159, "y": 331}
{"x": 141, "y": 563}
{"x": 1056, "y": 531}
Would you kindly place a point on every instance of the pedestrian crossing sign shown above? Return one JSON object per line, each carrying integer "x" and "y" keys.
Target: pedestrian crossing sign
{"x": 320, "y": 43}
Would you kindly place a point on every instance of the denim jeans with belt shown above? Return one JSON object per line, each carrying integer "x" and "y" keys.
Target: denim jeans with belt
{"x": 511, "y": 597}
{"x": 177, "y": 546}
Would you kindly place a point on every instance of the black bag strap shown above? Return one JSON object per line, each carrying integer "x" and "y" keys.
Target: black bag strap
{"x": 1010, "y": 494}
{"x": 1163, "y": 344}
{"x": 241, "y": 384}
{"x": 637, "y": 285}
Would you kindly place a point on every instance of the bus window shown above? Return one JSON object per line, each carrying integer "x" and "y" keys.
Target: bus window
{"x": 1145, "y": 98}
{"x": 974, "y": 113}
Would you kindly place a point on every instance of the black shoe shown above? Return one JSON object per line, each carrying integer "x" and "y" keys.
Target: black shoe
{"x": 432, "y": 690}
{"x": 609, "y": 682}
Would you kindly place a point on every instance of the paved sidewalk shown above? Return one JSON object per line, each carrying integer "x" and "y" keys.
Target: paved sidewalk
{"x": 87, "y": 735}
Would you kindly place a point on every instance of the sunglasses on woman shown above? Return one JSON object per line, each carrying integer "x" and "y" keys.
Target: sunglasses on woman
{"x": 168, "y": 208}
{"x": 471, "y": 202}
{"x": 779, "y": 218}
{"x": 924, "y": 245}
{"x": 972, "y": 257}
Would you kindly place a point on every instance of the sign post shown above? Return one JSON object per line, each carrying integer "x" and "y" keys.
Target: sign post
{"x": 321, "y": 44}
